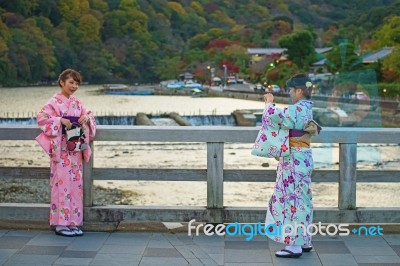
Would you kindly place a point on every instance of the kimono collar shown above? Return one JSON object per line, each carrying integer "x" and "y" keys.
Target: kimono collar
{"x": 64, "y": 99}
{"x": 307, "y": 103}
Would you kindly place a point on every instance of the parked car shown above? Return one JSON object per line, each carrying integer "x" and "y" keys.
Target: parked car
{"x": 273, "y": 88}
{"x": 176, "y": 85}
{"x": 259, "y": 87}
{"x": 231, "y": 80}
{"x": 360, "y": 96}
{"x": 192, "y": 84}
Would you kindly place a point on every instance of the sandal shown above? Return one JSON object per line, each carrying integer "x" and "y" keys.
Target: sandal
{"x": 64, "y": 231}
{"x": 306, "y": 248}
{"x": 76, "y": 230}
{"x": 290, "y": 254}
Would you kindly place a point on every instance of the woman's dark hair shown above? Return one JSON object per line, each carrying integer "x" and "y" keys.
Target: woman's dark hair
{"x": 301, "y": 81}
{"x": 69, "y": 73}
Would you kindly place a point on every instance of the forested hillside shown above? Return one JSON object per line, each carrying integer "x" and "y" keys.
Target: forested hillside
{"x": 149, "y": 40}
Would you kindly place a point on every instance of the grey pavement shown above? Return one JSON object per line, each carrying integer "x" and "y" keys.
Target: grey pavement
{"x": 23, "y": 247}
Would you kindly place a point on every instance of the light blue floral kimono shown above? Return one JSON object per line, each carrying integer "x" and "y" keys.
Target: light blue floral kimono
{"x": 290, "y": 208}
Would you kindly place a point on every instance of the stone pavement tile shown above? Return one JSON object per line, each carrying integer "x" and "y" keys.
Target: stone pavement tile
{"x": 208, "y": 240}
{"x": 378, "y": 264}
{"x": 326, "y": 238}
{"x": 337, "y": 259}
{"x": 5, "y": 254}
{"x": 197, "y": 252}
{"x": 249, "y": 264}
{"x": 73, "y": 261}
{"x": 235, "y": 238}
{"x": 162, "y": 243}
{"x": 194, "y": 262}
{"x": 235, "y": 255}
{"x": 185, "y": 252}
{"x": 377, "y": 259}
{"x": 396, "y": 249}
{"x": 88, "y": 242}
{"x": 217, "y": 258}
{"x": 357, "y": 240}
{"x": 174, "y": 240}
{"x": 50, "y": 239}
{"x": 392, "y": 239}
{"x": 163, "y": 261}
{"x": 208, "y": 262}
{"x": 186, "y": 240}
{"x": 22, "y": 233}
{"x": 42, "y": 250}
{"x": 78, "y": 254}
{"x": 212, "y": 249}
{"x": 128, "y": 239}
{"x": 330, "y": 247}
{"x": 13, "y": 242}
{"x": 93, "y": 237}
{"x": 28, "y": 259}
{"x": 124, "y": 249}
{"x": 296, "y": 262}
{"x": 81, "y": 244}
{"x": 116, "y": 260}
{"x": 371, "y": 250}
{"x": 157, "y": 236}
{"x": 247, "y": 245}
{"x": 162, "y": 252}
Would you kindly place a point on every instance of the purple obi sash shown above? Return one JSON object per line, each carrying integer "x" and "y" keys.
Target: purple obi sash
{"x": 296, "y": 133}
{"x": 70, "y": 118}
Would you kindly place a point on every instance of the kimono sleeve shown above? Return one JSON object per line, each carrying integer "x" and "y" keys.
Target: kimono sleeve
{"x": 49, "y": 121}
{"x": 285, "y": 117}
{"x": 91, "y": 132}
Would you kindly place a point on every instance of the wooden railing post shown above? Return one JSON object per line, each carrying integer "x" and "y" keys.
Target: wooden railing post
{"x": 347, "y": 176}
{"x": 87, "y": 180}
{"x": 215, "y": 171}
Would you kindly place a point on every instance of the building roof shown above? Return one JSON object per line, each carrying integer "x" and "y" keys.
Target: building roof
{"x": 270, "y": 51}
{"x": 265, "y": 51}
{"x": 377, "y": 55}
{"x": 369, "y": 58}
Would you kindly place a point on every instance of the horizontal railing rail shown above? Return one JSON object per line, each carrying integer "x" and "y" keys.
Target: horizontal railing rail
{"x": 215, "y": 175}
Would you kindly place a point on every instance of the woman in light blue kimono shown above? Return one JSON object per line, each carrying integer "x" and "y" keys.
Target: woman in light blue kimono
{"x": 290, "y": 209}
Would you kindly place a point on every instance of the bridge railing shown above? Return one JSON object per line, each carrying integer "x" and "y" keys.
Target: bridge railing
{"x": 215, "y": 175}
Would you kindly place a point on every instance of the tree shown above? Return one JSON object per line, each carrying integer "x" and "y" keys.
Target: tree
{"x": 168, "y": 68}
{"x": 300, "y": 48}
{"x": 391, "y": 64}
{"x": 31, "y": 53}
{"x": 389, "y": 34}
{"x": 343, "y": 58}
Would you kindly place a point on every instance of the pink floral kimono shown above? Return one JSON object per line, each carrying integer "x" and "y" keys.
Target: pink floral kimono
{"x": 66, "y": 204}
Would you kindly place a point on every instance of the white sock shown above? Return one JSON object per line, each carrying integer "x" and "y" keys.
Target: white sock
{"x": 60, "y": 227}
{"x": 305, "y": 246}
{"x": 294, "y": 249}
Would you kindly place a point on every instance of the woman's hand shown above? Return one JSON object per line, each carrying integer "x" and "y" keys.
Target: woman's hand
{"x": 66, "y": 122}
{"x": 83, "y": 119}
{"x": 268, "y": 98}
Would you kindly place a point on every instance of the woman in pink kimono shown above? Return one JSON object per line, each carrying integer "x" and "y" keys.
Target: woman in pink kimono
{"x": 290, "y": 209}
{"x": 60, "y": 114}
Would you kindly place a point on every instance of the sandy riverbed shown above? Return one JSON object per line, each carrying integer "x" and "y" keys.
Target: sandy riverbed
{"x": 176, "y": 155}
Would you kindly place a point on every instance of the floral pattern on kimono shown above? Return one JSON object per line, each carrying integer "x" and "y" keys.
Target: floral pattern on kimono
{"x": 66, "y": 185}
{"x": 290, "y": 207}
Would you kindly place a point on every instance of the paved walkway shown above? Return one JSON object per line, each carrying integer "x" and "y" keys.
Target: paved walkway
{"x": 19, "y": 247}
